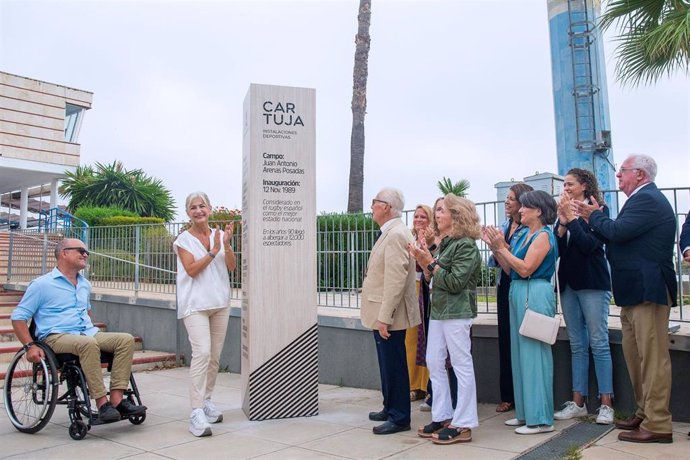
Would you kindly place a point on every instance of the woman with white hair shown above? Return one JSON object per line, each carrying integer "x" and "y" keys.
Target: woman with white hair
{"x": 204, "y": 257}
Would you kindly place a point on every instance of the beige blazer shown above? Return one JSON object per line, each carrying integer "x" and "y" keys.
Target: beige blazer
{"x": 388, "y": 291}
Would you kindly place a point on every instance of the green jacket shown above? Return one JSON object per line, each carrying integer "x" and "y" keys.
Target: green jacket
{"x": 454, "y": 292}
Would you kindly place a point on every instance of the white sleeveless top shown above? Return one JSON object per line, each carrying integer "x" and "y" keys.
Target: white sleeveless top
{"x": 207, "y": 290}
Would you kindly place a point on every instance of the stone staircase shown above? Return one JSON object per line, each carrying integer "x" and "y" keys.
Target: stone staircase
{"x": 9, "y": 345}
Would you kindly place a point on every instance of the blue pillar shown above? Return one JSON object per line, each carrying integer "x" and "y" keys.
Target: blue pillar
{"x": 583, "y": 130}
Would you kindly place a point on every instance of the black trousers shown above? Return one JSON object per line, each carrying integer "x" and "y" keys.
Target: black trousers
{"x": 395, "y": 382}
{"x": 505, "y": 369}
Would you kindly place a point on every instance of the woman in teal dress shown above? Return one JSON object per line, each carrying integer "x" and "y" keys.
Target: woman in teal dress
{"x": 531, "y": 264}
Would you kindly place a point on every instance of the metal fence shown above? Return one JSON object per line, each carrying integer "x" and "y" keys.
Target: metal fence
{"x": 140, "y": 258}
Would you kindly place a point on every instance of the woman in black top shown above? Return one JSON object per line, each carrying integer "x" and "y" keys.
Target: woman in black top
{"x": 585, "y": 286}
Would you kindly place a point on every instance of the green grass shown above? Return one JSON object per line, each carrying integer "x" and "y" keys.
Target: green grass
{"x": 573, "y": 453}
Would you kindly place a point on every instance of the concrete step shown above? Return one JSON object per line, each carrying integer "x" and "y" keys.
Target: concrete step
{"x": 5, "y": 320}
{"x": 143, "y": 360}
{"x": 7, "y": 308}
{"x": 10, "y": 296}
{"x": 9, "y": 349}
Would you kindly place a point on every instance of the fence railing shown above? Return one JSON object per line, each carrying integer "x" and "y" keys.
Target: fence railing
{"x": 140, "y": 258}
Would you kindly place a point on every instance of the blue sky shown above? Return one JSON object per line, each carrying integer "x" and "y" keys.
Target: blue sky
{"x": 456, "y": 88}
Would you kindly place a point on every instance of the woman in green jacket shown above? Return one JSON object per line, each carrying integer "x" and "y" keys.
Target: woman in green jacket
{"x": 453, "y": 306}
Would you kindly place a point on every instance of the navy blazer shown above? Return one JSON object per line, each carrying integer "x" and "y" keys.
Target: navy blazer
{"x": 684, "y": 240}
{"x": 582, "y": 265}
{"x": 640, "y": 246}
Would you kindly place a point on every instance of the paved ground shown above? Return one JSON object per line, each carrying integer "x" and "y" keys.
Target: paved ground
{"x": 341, "y": 430}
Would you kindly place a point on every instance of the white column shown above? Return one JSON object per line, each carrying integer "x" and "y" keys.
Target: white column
{"x": 23, "y": 207}
{"x": 53, "y": 193}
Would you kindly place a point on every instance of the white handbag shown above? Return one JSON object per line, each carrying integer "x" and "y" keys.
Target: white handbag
{"x": 538, "y": 326}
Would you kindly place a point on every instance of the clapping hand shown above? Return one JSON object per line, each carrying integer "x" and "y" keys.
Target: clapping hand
{"x": 583, "y": 209}
{"x": 227, "y": 234}
{"x": 565, "y": 209}
{"x": 493, "y": 237}
{"x": 420, "y": 252}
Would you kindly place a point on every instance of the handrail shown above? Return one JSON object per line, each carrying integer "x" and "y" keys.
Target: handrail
{"x": 57, "y": 218}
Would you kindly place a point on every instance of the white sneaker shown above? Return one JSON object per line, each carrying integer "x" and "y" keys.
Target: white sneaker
{"x": 424, "y": 407}
{"x": 514, "y": 422}
{"x": 605, "y": 416}
{"x": 213, "y": 415}
{"x": 571, "y": 410}
{"x": 198, "y": 425}
{"x": 534, "y": 429}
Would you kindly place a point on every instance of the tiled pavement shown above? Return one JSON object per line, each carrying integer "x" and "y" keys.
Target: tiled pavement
{"x": 341, "y": 430}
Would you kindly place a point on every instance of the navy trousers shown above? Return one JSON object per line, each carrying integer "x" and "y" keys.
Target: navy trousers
{"x": 395, "y": 382}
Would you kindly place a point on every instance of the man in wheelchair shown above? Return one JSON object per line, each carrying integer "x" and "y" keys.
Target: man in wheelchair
{"x": 59, "y": 303}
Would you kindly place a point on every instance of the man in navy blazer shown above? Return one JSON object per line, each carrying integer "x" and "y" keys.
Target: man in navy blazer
{"x": 639, "y": 247}
{"x": 684, "y": 241}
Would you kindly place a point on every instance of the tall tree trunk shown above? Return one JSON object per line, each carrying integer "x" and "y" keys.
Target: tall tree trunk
{"x": 359, "y": 108}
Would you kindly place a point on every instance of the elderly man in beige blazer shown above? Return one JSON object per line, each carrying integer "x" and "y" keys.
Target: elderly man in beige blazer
{"x": 389, "y": 307}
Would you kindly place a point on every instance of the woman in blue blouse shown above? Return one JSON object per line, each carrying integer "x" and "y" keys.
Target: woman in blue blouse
{"x": 531, "y": 263}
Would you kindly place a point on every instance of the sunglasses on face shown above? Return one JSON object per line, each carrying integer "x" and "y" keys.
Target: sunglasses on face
{"x": 82, "y": 251}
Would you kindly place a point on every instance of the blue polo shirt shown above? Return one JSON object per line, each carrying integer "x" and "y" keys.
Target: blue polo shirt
{"x": 57, "y": 306}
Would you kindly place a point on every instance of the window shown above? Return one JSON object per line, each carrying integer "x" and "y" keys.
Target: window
{"x": 73, "y": 116}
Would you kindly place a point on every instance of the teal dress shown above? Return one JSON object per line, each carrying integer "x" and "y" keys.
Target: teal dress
{"x": 532, "y": 361}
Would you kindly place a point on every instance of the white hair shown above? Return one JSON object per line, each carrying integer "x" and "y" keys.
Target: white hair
{"x": 644, "y": 163}
{"x": 394, "y": 198}
{"x": 196, "y": 195}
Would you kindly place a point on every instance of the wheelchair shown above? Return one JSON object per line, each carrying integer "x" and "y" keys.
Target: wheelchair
{"x": 32, "y": 391}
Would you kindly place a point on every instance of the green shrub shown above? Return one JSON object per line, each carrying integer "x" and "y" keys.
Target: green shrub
{"x": 129, "y": 220}
{"x": 94, "y": 216}
{"x": 344, "y": 242}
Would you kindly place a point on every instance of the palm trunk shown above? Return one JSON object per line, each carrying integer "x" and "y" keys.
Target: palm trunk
{"x": 359, "y": 108}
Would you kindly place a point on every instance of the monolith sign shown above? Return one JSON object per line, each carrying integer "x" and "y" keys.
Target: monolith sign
{"x": 279, "y": 316}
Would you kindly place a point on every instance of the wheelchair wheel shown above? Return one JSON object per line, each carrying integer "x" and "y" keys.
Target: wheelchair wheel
{"x": 31, "y": 391}
{"x": 137, "y": 419}
{"x": 78, "y": 430}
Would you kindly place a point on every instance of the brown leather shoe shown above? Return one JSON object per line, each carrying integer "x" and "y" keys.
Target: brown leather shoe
{"x": 629, "y": 424}
{"x": 642, "y": 435}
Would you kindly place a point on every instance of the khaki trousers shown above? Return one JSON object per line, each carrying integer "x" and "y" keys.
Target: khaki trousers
{"x": 89, "y": 351}
{"x": 645, "y": 347}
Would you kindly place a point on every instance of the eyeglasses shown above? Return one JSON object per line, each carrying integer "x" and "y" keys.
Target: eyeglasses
{"x": 622, "y": 170}
{"x": 380, "y": 201}
{"x": 82, "y": 251}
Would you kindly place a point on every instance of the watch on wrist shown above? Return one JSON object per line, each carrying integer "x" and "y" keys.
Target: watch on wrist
{"x": 210, "y": 254}
{"x": 431, "y": 266}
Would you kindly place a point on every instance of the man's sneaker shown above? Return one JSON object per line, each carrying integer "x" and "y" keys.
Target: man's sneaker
{"x": 198, "y": 425}
{"x": 127, "y": 409}
{"x": 213, "y": 415}
{"x": 605, "y": 416}
{"x": 425, "y": 407}
{"x": 571, "y": 410}
{"x": 107, "y": 413}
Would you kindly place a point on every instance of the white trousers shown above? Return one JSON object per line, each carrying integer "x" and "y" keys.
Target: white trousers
{"x": 452, "y": 335}
{"x": 206, "y": 330}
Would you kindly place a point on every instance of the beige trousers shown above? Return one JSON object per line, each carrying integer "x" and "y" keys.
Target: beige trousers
{"x": 206, "y": 330}
{"x": 645, "y": 347}
{"x": 89, "y": 351}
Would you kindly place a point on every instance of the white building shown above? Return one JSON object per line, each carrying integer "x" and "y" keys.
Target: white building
{"x": 39, "y": 128}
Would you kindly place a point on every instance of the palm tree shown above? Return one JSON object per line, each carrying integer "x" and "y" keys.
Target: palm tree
{"x": 359, "y": 108}
{"x": 654, "y": 38}
{"x": 458, "y": 188}
{"x": 112, "y": 185}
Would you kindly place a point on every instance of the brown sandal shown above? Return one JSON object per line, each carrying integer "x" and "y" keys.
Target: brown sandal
{"x": 416, "y": 395}
{"x": 504, "y": 406}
